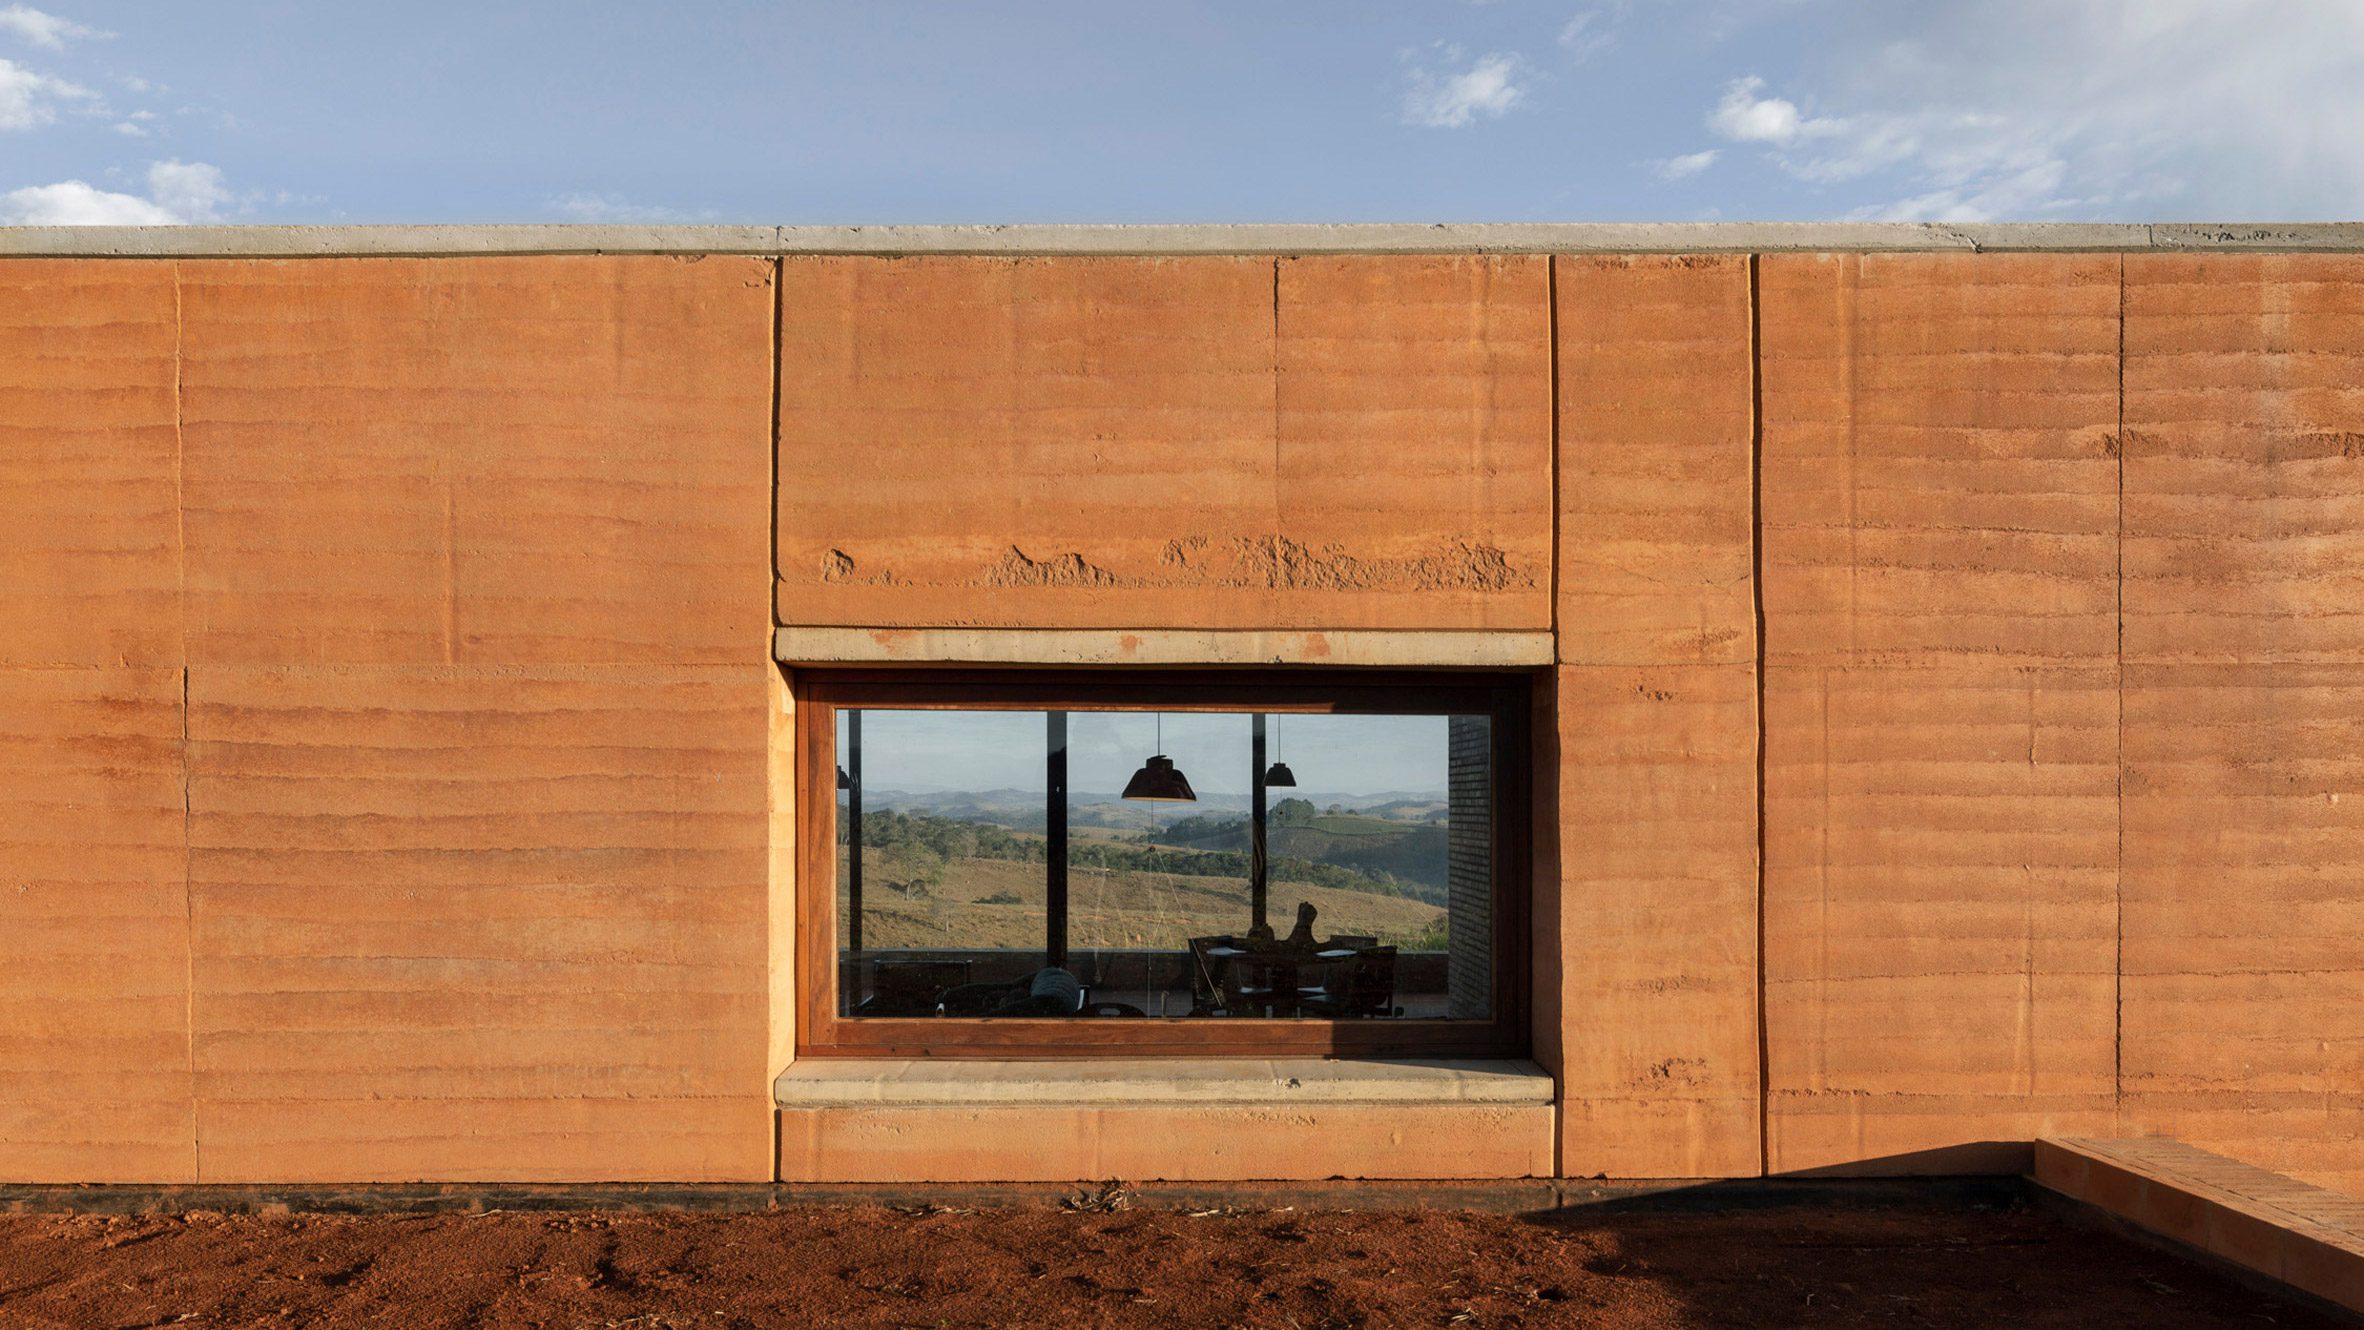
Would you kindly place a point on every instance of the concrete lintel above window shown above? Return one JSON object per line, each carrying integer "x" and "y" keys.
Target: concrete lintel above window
{"x": 1161, "y": 646}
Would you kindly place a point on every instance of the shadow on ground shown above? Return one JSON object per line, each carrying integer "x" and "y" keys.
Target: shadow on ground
{"x": 1888, "y": 1259}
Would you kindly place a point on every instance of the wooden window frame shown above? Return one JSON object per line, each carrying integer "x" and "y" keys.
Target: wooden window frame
{"x": 1506, "y": 697}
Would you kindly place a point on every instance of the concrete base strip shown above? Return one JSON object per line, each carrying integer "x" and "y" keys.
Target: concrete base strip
{"x": 1491, "y": 1196}
{"x": 2303, "y": 1237}
{"x": 1158, "y": 646}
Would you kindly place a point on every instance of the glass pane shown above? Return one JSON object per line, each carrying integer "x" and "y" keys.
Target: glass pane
{"x": 1387, "y": 834}
{"x": 1106, "y": 864}
{"x": 950, "y": 893}
{"x": 1145, "y": 877}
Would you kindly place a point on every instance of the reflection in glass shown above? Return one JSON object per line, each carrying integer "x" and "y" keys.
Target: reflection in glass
{"x": 991, "y": 864}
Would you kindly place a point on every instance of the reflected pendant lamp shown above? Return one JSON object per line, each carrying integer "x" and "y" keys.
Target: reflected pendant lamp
{"x": 1159, "y": 780}
{"x": 1279, "y": 775}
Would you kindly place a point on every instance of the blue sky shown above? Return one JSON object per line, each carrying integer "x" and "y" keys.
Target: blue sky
{"x": 989, "y": 750}
{"x": 1396, "y": 110}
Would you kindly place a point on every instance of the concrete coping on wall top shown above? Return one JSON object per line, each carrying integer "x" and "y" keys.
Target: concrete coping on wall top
{"x": 1153, "y": 240}
{"x": 1134, "y": 1082}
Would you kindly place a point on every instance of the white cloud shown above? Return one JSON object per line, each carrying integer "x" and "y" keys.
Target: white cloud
{"x": 1949, "y": 149}
{"x": 1745, "y": 117}
{"x": 2031, "y": 109}
{"x": 75, "y": 203}
{"x": 616, "y": 208}
{"x": 192, "y": 191}
{"x": 46, "y": 31}
{"x": 1586, "y": 35}
{"x": 29, "y": 99}
{"x": 1488, "y": 87}
{"x": 1685, "y": 166}
{"x": 178, "y": 192}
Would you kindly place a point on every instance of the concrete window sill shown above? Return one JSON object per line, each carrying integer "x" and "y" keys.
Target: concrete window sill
{"x": 1181, "y": 1119}
{"x": 1142, "y": 1082}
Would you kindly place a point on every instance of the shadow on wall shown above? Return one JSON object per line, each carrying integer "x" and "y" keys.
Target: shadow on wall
{"x": 1966, "y": 1159}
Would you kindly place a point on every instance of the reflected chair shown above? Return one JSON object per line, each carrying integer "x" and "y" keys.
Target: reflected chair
{"x": 1229, "y": 977}
{"x": 1361, "y": 985}
{"x": 1050, "y": 991}
{"x": 910, "y": 988}
{"x": 1208, "y": 972}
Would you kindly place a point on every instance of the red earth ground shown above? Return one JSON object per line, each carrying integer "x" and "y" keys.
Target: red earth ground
{"x": 1934, "y": 1264}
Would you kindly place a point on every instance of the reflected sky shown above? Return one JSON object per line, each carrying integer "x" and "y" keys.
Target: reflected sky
{"x": 925, "y": 751}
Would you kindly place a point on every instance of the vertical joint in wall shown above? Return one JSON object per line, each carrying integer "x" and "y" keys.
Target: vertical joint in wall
{"x": 1279, "y": 519}
{"x": 2118, "y": 790}
{"x": 1551, "y": 612}
{"x": 1551, "y": 333}
{"x": 771, "y": 590}
{"x": 180, "y": 517}
{"x": 1756, "y": 589}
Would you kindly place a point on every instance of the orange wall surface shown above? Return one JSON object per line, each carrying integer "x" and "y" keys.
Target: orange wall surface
{"x": 1940, "y": 587}
{"x": 1952, "y": 739}
{"x": 2243, "y": 782}
{"x": 1656, "y": 1042}
{"x": 385, "y": 665}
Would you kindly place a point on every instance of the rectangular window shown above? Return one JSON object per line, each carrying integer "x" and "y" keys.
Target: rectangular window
{"x": 1025, "y": 864}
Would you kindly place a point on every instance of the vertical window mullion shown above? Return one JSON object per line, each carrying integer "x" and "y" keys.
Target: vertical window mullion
{"x": 1259, "y": 862}
{"x": 853, "y": 823}
{"x": 1055, "y": 839}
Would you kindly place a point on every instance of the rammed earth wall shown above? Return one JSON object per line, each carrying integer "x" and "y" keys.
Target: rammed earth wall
{"x": 1956, "y": 692}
